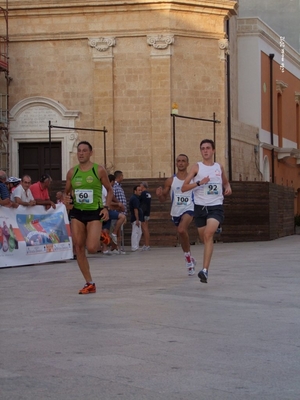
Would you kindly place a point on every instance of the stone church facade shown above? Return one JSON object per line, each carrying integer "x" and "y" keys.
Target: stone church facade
{"x": 119, "y": 66}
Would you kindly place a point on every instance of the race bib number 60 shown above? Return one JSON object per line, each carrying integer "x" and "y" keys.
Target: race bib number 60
{"x": 84, "y": 196}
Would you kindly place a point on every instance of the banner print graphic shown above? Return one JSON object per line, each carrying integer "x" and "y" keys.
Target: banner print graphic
{"x": 32, "y": 235}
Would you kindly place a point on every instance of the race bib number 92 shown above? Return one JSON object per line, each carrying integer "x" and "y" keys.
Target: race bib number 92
{"x": 213, "y": 189}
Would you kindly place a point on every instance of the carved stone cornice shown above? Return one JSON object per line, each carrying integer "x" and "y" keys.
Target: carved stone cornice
{"x": 160, "y": 42}
{"x": 280, "y": 86}
{"x": 102, "y": 43}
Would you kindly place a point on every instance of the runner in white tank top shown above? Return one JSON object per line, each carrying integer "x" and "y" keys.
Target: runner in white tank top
{"x": 181, "y": 202}
{"x": 210, "y": 193}
{"x": 182, "y": 209}
{"x": 208, "y": 180}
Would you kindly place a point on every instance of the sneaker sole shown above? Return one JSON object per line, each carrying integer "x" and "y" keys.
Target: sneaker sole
{"x": 87, "y": 292}
{"x": 191, "y": 272}
{"x": 202, "y": 277}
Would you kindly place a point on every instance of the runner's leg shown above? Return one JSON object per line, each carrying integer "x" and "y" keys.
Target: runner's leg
{"x": 79, "y": 235}
{"x": 206, "y": 234}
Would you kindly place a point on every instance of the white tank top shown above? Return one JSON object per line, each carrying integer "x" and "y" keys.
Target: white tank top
{"x": 210, "y": 194}
{"x": 181, "y": 202}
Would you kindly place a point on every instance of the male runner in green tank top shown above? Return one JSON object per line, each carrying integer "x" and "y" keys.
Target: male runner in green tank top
{"x": 84, "y": 182}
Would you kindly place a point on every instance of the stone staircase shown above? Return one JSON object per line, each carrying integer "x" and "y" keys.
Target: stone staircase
{"x": 162, "y": 230}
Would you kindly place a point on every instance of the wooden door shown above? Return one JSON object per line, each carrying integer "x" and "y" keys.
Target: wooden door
{"x": 35, "y": 160}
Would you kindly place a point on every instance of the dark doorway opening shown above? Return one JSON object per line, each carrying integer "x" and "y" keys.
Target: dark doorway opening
{"x": 34, "y": 160}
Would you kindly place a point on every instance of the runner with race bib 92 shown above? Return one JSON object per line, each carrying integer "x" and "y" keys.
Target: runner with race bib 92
{"x": 209, "y": 183}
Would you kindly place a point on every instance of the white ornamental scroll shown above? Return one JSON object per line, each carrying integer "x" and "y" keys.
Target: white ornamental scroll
{"x": 102, "y": 43}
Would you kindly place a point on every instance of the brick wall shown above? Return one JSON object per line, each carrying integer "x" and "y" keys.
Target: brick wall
{"x": 258, "y": 211}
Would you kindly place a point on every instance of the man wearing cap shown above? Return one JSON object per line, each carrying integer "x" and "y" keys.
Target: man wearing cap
{"x": 40, "y": 192}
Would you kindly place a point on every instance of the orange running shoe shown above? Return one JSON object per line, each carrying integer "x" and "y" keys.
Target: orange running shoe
{"x": 88, "y": 288}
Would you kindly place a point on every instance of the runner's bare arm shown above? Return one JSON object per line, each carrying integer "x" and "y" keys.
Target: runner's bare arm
{"x": 226, "y": 184}
{"x": 68, "y": 188}
{"x": 163, "y": 192}
{"x": 187, "y": 184}
{"x": 105, "y": 182}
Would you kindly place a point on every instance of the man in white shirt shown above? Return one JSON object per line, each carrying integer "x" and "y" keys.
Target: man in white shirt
{"x": 22, "y": 194}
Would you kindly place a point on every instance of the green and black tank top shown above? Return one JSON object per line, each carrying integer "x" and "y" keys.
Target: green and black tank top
{"x": 87, "y": 189}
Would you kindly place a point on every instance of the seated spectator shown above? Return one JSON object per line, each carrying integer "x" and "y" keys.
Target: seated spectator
{"x": 115, "y": 181}
{"x": 59, "y": 197}
{"x": 12, "y": 183}
{"x": 4, "y": 193}
{"x": 40, "y": 192}
{"x": 114, "y": 216}
{"x": 22, "y": 194}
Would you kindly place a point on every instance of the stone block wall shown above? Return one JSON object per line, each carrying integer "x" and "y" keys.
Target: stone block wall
{"x": 121, "y": 66}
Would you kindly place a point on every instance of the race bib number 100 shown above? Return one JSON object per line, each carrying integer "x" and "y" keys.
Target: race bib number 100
{"x": 84, "y": 196}
{"x": 183, "y": 200}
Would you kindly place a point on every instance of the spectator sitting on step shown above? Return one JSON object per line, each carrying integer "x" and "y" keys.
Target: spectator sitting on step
{"x": 119, "y": 194}
{"x": 116, "y": 220}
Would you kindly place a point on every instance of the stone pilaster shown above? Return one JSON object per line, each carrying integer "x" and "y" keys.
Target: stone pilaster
{"x": 103, "y": 95}
{"x": 161, "y": 138}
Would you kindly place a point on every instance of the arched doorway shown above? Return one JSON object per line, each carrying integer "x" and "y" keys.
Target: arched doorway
{"x": 29, "y": 137}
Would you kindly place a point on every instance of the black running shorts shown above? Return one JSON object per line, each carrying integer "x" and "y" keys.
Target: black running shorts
{"x": 85, "y": 216}
{"x": 202, "y": 213}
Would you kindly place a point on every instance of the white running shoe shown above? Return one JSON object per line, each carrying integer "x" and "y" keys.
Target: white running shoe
{"x": 114, "y": 238}
{"x": 115, "y": 252}
{"x": 145, "y": 248}
{"x": 191, "y": 268}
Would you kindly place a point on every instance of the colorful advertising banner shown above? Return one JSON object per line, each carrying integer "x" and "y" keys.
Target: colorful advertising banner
{"x": 32, "y": 235}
